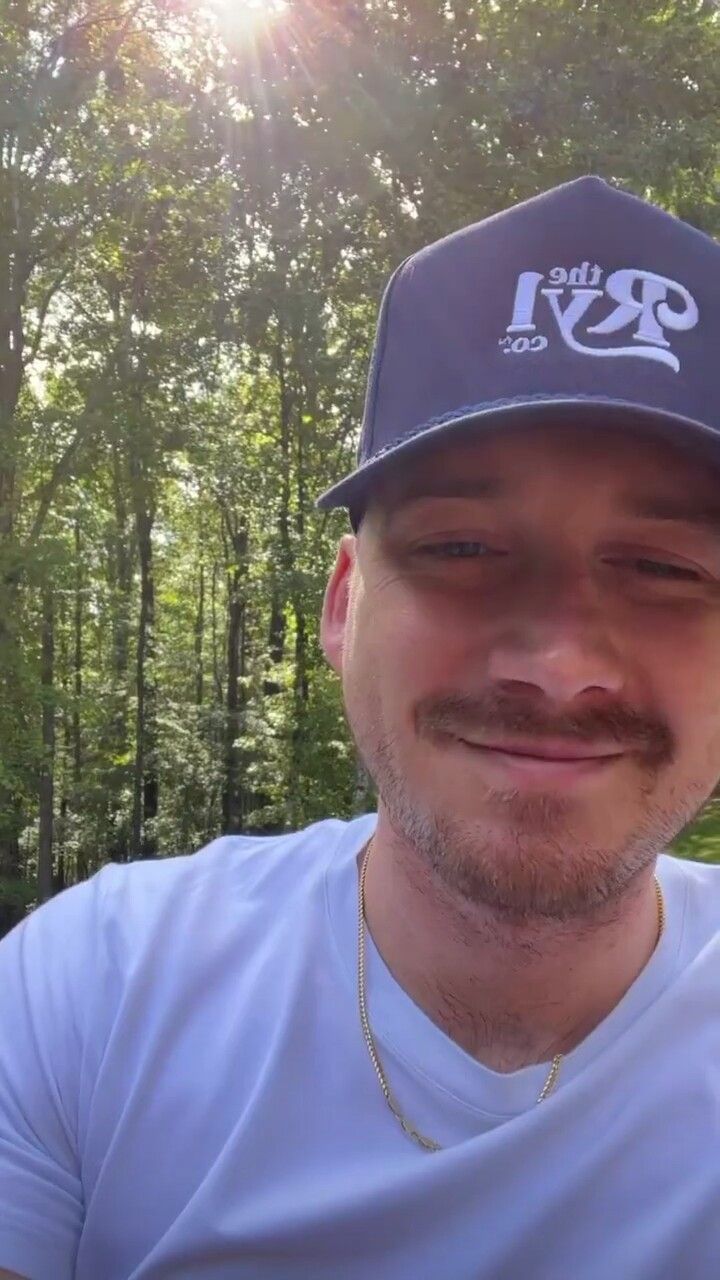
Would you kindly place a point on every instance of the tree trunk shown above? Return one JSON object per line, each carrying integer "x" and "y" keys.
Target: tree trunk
{"x": 75, "y": 727}
{"x": 7, "y": 490}
{"x": 232, "y": 799}
{"x": 199, "y": 638}
{"x": 11, "y": 646}
{"x": 12, "y": 343}
{"x": 47, "y": 774}
{"x": 145, "y": 782}
{"x": 217, "y": 675}
{"x": 120, "y": 578}
{"x": 363, "y": 790}
{"x": 301, "y": 681}
{"x": 276, "y": 630}
{"x": 281, "y": 582}
{"x": 63, "y": 757}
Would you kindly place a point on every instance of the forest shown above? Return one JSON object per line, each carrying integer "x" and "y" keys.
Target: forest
{"x": 200, "y": 203}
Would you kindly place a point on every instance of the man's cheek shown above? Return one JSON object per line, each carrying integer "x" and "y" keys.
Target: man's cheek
{"x": 695, "y": 768}
{"x": 695, "y": 717}
{"x": 704, "y": 756}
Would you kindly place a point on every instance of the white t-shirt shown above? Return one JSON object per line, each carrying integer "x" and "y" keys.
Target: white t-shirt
{"x": 185, "y": 1092}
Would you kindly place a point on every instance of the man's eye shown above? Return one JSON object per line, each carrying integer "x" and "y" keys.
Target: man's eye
{"x": 460, "y": 550}
{"x": 662, "y": 569}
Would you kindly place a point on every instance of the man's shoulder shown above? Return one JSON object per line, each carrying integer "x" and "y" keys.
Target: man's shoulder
{"x": 699, "y": 878}
{"x": 229, "y": 874}
{"x": 692, "y": 899}
{"x": 128, "y": 907}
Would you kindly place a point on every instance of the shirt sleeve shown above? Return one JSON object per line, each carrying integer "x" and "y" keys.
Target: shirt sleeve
{"x": 45, "y": 971}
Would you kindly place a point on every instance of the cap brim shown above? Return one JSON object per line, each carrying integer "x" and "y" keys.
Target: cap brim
{"x": 697, "y": 437}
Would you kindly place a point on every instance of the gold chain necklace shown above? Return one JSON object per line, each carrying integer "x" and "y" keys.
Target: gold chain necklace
{"x": 429, "y": 1144}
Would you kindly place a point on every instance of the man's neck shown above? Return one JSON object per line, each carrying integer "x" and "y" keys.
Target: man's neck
{"x": 510, "y": 994}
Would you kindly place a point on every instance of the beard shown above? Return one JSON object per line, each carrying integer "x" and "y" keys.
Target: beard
{"x": 528, "y": 855}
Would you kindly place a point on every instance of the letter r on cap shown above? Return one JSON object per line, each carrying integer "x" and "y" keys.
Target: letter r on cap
{"x": 651, "y": 310}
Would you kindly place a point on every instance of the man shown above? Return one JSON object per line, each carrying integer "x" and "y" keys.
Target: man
{"x": 478, "y": 1034}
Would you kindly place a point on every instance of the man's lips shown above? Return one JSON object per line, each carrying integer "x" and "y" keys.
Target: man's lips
{"x": 550, "y": 749}
{"x": 541, "y": 764}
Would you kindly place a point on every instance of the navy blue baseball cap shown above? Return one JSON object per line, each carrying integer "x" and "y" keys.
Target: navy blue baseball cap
{"x": 584, "y": 303}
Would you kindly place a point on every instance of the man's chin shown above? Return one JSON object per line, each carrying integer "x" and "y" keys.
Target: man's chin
{"x": 530, "y": 874}
{"x": 514, "y": 812}
{"x": 534, "y": 855}
{"x": 531, "y": 810}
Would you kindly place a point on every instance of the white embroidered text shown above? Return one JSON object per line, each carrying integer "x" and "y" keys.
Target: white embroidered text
{"x": 640, "y": 301}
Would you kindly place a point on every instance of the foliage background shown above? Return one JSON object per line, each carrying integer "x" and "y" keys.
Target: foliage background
{"x": 199, "y": 206}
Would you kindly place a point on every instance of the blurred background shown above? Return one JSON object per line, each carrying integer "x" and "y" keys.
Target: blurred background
{"x": 200, "y": 203}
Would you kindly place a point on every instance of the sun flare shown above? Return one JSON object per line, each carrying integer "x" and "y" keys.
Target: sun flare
{"x": 246, "y": 11}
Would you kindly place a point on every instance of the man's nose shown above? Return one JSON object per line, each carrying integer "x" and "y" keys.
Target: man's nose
{"x": 558, "y": 641}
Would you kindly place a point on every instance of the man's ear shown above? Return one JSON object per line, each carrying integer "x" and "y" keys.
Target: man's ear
{"x": 337, "y": 603}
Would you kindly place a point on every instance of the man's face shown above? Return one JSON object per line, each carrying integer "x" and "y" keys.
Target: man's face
{"x": 528, "y": 633}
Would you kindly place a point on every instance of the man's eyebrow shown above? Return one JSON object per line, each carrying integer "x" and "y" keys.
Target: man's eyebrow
{"x": 443, "y": 487}
{"x": 679, "y": 510}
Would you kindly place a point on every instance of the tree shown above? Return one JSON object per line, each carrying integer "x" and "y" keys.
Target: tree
{"x": 197, "y": 218}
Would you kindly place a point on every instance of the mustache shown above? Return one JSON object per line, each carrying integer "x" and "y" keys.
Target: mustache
{"x": 618, "y": 723}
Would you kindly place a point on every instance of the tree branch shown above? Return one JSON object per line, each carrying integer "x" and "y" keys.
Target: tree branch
{"x": 43, "y": 310}
{"x": 47, "y": 491}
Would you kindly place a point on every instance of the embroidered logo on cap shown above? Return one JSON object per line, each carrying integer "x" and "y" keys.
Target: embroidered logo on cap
{"x": 649, "y": 303}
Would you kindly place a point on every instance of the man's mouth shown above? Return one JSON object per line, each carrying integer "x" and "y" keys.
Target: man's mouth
{"x": 551, "y": 749}
{"x": 544, "y": 763}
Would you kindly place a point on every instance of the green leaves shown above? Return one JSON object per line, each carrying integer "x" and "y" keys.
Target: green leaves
{"x": 195, "y": 230}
